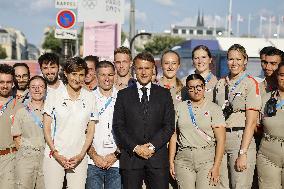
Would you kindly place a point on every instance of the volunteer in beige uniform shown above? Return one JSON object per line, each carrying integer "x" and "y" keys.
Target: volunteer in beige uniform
{"x": 273, "y": 57}
{"x": 8, "y": 107}
{"x": 240, "y": 110}
{"x": 170, "y": 62}
{"x": 270, "y": 159}
{"x": 202, "y": 59}
{"x": 200, "y": 126}
{"x": 27, "y": 130}
{"x": 74, "y": 111}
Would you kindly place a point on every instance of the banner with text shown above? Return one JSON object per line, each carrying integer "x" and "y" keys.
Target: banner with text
{"x": 101, "y": 39}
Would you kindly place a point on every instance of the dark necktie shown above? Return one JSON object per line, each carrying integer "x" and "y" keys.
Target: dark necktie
{"x": 144, "y": 100}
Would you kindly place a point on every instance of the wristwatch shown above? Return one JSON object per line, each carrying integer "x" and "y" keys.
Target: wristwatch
{"x": 117, "y": 154}
{"x": 243, "y": 152}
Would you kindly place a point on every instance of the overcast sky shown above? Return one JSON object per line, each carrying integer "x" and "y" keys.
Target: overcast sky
{"x": 32, "y": 16}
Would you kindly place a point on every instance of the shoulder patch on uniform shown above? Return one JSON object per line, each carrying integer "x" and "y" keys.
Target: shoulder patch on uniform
{"x": 256, "y": 85}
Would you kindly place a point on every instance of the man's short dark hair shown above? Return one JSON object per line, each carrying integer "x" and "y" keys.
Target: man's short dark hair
{"x": 144, "y": 56}
{"x": 93, "y": 59}
{"x": 275, "y": 52}
{"x": 123, "y": 50}
{"x": 48, "y": 58}
{"x": 264, "y": 50}
{"x": 7, "y": 69}
{"x": 23, "y": 65}
{"x": 105, "y": 64}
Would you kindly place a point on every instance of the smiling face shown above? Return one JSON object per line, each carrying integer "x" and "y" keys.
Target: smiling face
{"x": 196, "y": 90}
{"x": 76, "y": 79}
{"x": 6, "y": 84}
{"x": 105, "y": 77}
{"x": 201, "y": 61}
{"x": 21, "y": 77}
{"x": 37, "y": 89}
{"x": 170, "y": 65}
{"x": 50, "y": 72}
{"x": 236, "y": 62}
{"x": 91, "y": 76}
{"x": 270, "y": 64}
{"x": 144, "y": 71}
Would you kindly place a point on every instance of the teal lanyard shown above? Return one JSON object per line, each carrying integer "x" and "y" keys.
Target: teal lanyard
{"x": 36, "y": 119}
{"x": 238, "y": 82}
{"x": 105, "y": 106}
{"x": 4, "y": 107}
{"x": 280, "y": 104}
{"x": 208, "y": 78}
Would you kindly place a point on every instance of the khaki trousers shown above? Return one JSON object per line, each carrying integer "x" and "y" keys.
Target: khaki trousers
{"x": 7, "y": 171}
{"x": 270, "y": 162}
{"x": 28, "y": 171}
{"x": 192, "y": 167}
{"x": 239, "y": 180}
{"x": 54, "y": 174}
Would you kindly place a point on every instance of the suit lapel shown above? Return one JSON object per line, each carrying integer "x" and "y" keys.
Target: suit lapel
{"x": 137, "y": 103}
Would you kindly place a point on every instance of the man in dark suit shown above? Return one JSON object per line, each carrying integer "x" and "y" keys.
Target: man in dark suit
{"x": 143, "y": 123}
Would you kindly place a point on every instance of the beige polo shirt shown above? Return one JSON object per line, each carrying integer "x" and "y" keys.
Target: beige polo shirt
{"x": 24, "y": 125}
{"x": 272, "y": 125}
{"x": 6, "y": 120}
{"x": 175, "y": 93}
{"x": 246, "y": 96}
{"x": 208, "y": 116}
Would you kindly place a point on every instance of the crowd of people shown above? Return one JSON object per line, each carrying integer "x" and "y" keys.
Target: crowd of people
{"x": 97, "y": 124}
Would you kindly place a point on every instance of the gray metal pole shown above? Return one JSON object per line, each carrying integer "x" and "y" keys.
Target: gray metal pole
{"x": 132, "y": 23}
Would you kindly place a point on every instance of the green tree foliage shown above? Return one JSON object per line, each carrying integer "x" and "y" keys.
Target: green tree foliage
{"x": 123, "y": 36}
{"x": 3, "y": 53}
{"x": 160, "y": 43}
{"x": 52, "y": 43}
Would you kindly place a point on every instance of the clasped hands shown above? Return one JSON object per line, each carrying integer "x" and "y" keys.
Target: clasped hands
{"x": 68, "y": 163}
{"x": 104, "y": 162}
{"x": 144, "y": 150}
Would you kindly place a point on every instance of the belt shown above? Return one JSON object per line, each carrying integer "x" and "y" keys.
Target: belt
{"x": 196, "y": 148}
{"x": 7, "y": 151}
{"x": 270, "y": 138}
{"x": 235, "y": 129}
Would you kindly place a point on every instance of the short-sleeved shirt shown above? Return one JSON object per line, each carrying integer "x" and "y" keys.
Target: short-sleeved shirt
{"x": 6, "y": 121}
{"x": 209, "y": 87}
{"x": 25, "y": 126}
{"x": 245, "y": 96}
{"x": 70, "y": 120}
{"x": 272, "y": 125}
{"x": 175, "y": 92}
{"x": 103, "y": 132}
{"x": 208, "y": 116}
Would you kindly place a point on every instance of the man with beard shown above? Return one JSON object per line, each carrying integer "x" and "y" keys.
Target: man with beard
{"x": 91, "y": 79}
{"x": 273, "y": 57}
{"x": 122, "y": 64}
{"x": 22, "y": 76}
{"x": 8, "y": 107}
{"x": 49, "y": 66}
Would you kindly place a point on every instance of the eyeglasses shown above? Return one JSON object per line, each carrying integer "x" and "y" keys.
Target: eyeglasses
{"x": 197, "y": 87}
{"x": 35, "y": 87}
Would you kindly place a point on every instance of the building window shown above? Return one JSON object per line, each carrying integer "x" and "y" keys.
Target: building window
{"x": 209, "y": 32}
{"x": 190, "y": 31}
{"x": 183, "y": 31}
{"x": 175, "y": 31}
{"x": 200, "y": 32}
